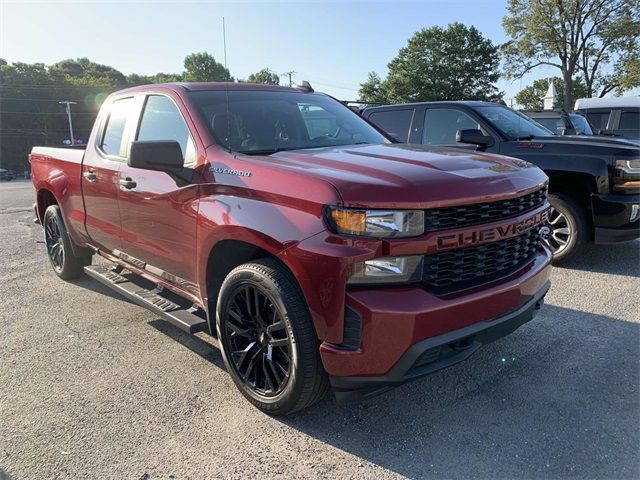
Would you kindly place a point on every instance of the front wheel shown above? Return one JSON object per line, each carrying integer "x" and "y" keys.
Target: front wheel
{"x": 267, "y": 338}
{"x": 67, "y": 263}
{"x": 568, "y": 227}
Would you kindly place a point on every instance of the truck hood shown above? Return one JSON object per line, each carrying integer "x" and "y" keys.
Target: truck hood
{"x": 413, "y": 176}
{"x": 581, "y": 144}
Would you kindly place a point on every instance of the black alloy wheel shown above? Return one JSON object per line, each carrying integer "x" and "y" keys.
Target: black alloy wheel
{"x": 259, "y": 345}
{"x": 55, "y": 243}
{"x": 68, "y": 261}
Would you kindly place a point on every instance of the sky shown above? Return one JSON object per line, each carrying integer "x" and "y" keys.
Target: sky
{"x": 331, "y": 44}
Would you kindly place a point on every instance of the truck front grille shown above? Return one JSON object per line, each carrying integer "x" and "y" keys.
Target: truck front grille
{"x": 452, "y": 217}
{"x": 456, "y": 270}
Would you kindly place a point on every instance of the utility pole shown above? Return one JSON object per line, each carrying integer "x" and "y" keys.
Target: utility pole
{"x": 68, "y": 104}
{"x": 289, "y": 74}
{"x": 224, "y": 42}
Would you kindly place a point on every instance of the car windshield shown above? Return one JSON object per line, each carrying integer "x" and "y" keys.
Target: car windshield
{"x": 513, "y": 125}
{"x": 262, "y": 122}
{"x": 580, "y": 124}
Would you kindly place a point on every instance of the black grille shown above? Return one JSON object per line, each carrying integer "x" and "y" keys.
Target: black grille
{"x": 452, "y": 217}
{"x": 457, "y": 270}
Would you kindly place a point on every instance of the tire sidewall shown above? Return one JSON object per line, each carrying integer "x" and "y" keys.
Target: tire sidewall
{"x": 72, "y": 266}
{"x": 570, "y": 211}
{"x": 253, "y": 277}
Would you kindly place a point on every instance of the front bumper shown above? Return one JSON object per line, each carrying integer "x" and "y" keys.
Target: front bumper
{"x": 433, "y": 354}
{"x": 616, "y": 218}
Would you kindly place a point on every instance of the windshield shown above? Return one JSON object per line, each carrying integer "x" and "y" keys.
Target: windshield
{"x": 513, "y": 125}
{"x": 259, "y": 122}
{"x": 580, "y": 124}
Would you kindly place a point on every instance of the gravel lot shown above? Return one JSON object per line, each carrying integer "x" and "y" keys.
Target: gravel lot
{"x": 92, "y": 386}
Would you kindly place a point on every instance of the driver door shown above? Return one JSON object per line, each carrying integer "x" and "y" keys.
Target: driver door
{"x": 158, "y": 216}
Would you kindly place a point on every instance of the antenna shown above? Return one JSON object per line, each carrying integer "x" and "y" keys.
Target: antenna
{"x": 226, "y": 88}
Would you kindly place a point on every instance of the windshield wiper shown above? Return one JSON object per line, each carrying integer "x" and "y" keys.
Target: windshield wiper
{"x": 527, "y": 137}
{"x": 267, "y": 151}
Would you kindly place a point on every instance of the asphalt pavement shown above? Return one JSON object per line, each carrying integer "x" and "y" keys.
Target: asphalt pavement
{"x": 92, "y": 386}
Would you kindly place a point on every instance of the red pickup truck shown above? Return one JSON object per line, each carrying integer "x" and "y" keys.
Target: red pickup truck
{"x": 319, "y": 252}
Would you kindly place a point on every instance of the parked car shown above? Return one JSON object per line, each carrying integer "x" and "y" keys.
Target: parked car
{"x": 594, "y": 181}
{"x": 612, "y": 115}
{"x": 7, "y": 174}
{"x": 561, "y": 122}
{"x": 317, "y": 251}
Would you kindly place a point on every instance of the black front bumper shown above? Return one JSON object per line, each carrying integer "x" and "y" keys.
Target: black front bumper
{"x": 433, "y": 354}
{"x": 616, "y": 218}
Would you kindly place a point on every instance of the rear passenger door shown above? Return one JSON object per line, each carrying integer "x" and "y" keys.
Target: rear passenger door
{"x": 100, "y": 175}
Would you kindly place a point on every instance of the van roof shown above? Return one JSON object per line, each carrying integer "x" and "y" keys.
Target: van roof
{"x": 607, "y": 102}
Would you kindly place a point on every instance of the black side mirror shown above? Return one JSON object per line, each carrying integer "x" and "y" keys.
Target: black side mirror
{"x": 474, "y": 137}
{"x": 162, "y": 156}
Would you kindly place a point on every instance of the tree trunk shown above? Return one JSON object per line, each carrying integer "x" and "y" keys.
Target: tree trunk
{"x": 567, "y": 90}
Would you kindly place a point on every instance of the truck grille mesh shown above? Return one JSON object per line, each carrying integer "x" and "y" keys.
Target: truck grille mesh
{"x": 456, "y": 270}
{"x": 452, "y": 217}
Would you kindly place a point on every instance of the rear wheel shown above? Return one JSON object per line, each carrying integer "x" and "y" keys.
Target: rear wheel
{"x": 268, "y": 342}
{"x": 66, "y": 262}
{"x": 568, "y": 227}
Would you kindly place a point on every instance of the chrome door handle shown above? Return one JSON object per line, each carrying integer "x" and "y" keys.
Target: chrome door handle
{"x": 127, "y": 183}
{"x": 90, "y": 176}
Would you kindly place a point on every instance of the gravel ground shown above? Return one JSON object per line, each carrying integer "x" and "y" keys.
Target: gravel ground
{"x": 92, "y": 386}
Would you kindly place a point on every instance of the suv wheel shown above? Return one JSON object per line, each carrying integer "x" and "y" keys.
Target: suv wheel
{"x": 66, "y": 263}
{"x": 568, "y": 227}
{"x": 267, "y": 338}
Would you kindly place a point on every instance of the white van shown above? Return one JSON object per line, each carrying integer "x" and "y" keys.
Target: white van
{"x": 614, "y": 115}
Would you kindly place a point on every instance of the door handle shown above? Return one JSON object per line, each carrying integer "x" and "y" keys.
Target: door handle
{"x": 90, "y": 176}
{"x": 127, "y": 183}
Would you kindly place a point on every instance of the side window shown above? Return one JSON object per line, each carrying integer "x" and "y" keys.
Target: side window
{"x": 396, "y": 122}
{"x": 599, "y": 120}
{"x": 161, "y": 120}
{"x": 630, "y": 122}
{"x": 442, "y": 124}
{"x": 556, "y": 125}
{"x": 114, "y": 128}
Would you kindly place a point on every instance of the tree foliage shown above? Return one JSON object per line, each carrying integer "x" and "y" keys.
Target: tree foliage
{"x": 452, "y": 63}
{"x": 202, "y": 67}
{"x": 596, "y": 39}
{"x": 264, "y": 76}
{"x": 532, "y": 97}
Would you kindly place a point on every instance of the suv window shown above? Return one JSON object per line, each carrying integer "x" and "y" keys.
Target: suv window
{"x": 395, "y": 122}
{"x": 599, "y": 119}
{"x": 114, "y": 128}
{"x": 442, "y": 124}
{"x": 161, "y": 120}
{"x": 556, "y": 125}
{"x": 629, "y": 123}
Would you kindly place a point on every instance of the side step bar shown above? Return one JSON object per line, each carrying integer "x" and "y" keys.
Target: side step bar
{"x": 183, "y": 318}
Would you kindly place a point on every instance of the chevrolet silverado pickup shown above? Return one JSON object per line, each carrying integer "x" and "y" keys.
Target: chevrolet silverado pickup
{"x": 594, "y": 182}
{"x": 317, "y": 251}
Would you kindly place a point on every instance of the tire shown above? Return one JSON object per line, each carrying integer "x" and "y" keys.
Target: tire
{"x": 67, "y": 262}
{"x": 569, "y": 228}
{"x": 255, "y": 353}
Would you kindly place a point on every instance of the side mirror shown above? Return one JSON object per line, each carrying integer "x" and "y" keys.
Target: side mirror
{"x": 162, "y": 156}
{"x": 395, "y": 136}
{"x": 474, "y": 137}
{"x": 569, "y": 131}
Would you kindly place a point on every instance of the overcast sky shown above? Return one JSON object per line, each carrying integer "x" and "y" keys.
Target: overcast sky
{"x": 333, "y": 45}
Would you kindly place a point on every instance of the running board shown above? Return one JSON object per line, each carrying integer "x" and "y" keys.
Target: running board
{"x": 183, "y": 318}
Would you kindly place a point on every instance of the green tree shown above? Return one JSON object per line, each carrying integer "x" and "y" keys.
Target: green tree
{"x": 532, "y": 97}
{"x": 373, "y": 90}
{"x": 264, "y": 76}
{"x": 202, "y": 67}
{"x": 452, "y": 63}
{"x": 582, "y": 37}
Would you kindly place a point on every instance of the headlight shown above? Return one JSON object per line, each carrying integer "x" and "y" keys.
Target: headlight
{"x": 376, "y": 223}
{"x": 387, "y": 270}
{"x": 626, "y": 176}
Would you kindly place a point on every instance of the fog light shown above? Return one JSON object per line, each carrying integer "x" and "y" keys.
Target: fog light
{"x": 387, "y": 270}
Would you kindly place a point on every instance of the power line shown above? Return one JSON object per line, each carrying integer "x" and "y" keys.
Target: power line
{"x": 290, "y": 75}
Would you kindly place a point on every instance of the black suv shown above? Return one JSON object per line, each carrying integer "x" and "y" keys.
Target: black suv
{"x": 594, "y": 181}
